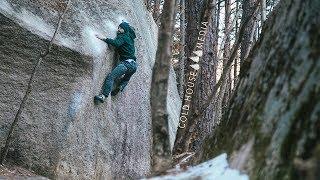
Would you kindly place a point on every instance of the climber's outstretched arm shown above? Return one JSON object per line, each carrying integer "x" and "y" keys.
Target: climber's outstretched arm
{"x": 117, "y": 42}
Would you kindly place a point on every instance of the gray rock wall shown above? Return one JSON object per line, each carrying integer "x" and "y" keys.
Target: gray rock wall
{"x": 61, "y": 133}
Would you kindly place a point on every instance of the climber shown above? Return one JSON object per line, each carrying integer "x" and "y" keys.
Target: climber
{"x": 124, "y": 44}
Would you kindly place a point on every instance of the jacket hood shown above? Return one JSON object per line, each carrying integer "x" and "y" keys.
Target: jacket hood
{"x": 128, "y": 29}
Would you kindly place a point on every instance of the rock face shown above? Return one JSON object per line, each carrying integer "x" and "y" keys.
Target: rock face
{"x": 18, "y": 173}
{"x": 272, "y": 128}
{"x": 61, "y": 133}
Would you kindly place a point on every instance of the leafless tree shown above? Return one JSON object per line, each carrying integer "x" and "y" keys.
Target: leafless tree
{"x": 161, "y": 151}
{"x": 182, "y": 42}
{"x": 156, "y": 10}
{"x": 246, "y": 43}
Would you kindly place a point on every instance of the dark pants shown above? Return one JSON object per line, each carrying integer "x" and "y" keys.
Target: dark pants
{"x": 123, "y": 68}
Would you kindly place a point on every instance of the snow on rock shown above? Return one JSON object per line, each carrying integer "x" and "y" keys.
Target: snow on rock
{"x": 111, "y": 26}
{"x": 95, "y": 46}
{"x": 5, "y": 7}
{"x": 28, "y": 19}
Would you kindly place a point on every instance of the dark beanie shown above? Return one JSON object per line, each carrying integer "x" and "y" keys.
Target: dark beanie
{"x": 128, "y": 29}
{"x": 124, "y": 25}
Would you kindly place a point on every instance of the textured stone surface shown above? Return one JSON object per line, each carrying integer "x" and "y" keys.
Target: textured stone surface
{"x": 61, "y": 133}
{"x": 272, "y": 128}
{"x": 18, "y": 173}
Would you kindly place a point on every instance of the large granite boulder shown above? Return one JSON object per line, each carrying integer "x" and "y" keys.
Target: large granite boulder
{"x": 61, "y": 133}
{"x": 271, "y": 130}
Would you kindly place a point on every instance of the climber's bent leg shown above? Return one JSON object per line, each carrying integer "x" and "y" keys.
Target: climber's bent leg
{"x": 132, "y": 68}
{"x": 117, "y": 72}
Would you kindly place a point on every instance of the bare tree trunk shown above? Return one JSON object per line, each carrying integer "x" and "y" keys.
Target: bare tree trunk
{"x": 182, "y": 143}
{"x": 218, "y": 17}
{"x": 161, "y": 151}
{"x": 235, "y": 70}
{"x": 207, "y": 80}
{"x": 175, "y": 11}
{"x": 226, "y": 53}
{"x": 247, "y": 9}
{"x": 198, "y": 130}
{"x": 222, "y": 80}
{"x": 193, "y": 19}
{"x": 196, "y": 15}
{"x": 263, "y": 10}
{"x": 156, "y": 10}
{"x": 224, "y": 90}
{"x": 253, "y": 34}
{"x": 182, "y": 51}
{"x": 194, "y": 10}
{"x": 148, "y": 4}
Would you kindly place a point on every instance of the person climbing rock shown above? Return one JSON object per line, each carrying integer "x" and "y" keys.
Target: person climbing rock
{"x": 124, "y": 44}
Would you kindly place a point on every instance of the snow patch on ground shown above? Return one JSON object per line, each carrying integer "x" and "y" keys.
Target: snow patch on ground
{"x": 217, "y": 168}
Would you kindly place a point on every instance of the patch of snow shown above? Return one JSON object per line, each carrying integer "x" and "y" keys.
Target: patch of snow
{"x": 75, "y": 103}
{"x": 66, "y": 41}
{"x": 217, "y": 168}
{"x": 35, "y": 22}
{"x": 5, "y": 7}
{"x": 27, "y": 19}
{"x": 92, "y": 44}
{"x": 37, "y": 25}
{"x": 110, "y": 27}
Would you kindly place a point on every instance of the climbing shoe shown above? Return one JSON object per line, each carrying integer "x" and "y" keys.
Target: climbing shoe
{"x": 99, "y": 98}
{"x": 115, "y": 91}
